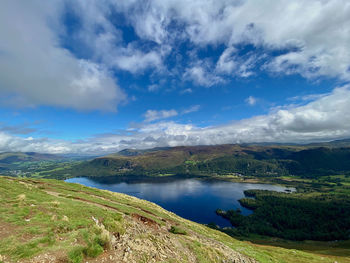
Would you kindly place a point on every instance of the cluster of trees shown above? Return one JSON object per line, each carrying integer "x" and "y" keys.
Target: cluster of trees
{"x": 253, "y": 161}
{"x": 323, "y": 161}
{"x": 292, "y": 216}
{"x": 308, "y": 163}
{"x": 229, "y": 164}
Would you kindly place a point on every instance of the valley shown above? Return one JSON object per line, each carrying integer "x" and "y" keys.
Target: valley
{"x": 313, "y": 218}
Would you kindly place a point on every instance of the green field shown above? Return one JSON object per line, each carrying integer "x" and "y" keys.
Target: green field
{"x": 70, "y": 222}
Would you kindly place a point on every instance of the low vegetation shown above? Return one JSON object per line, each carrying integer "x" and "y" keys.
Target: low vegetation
{"x": 71, "y": 223}
{"x": 65, "y": 222}
{"x": 177, "y": 230}
{"x": 221, "y": 160}
{"x": 312, "y": 216}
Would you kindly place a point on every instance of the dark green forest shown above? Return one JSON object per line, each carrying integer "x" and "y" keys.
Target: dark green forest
{"x": 313, "y": 216}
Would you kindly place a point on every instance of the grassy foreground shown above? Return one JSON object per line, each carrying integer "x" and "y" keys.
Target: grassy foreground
{"x": 54, "y": 221}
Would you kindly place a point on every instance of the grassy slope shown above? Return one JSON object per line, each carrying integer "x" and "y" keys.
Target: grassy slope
{"x": 9, "y": 157}
{"x": 58, "y": 220}
{"x": 168, "y": 161}
{"x": 223, "y": 160}
{"x": 178, "y": 155}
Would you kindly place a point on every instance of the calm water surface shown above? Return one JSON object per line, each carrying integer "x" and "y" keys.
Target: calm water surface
{"x": 192, "y": 198}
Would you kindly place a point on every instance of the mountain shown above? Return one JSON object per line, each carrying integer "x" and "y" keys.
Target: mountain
{"x": 12, "y": 157}
{"x": 135, "y": 152}
{"x": 229, "y": 159}
{"x": 336, "y": 143}
{"x": 54, "y": 221}
{"x": 18, "y": 163}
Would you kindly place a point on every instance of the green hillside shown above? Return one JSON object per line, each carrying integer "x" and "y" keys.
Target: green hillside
{"x": 219, "y": 160}
{"x": 12, "y": 157}
{"x": 54, "y": 221}
{"x": 32, "y": 163}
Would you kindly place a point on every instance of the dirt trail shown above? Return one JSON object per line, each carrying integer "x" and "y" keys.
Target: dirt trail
{"x": 145, "y": 240}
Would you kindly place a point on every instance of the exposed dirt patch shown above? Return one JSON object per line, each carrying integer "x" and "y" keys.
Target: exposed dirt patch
{"x": 7, "y": 229}
{"x": 146, "y": 221}
{"x": 50, "y": 257}
{"x": 142, "y": 243}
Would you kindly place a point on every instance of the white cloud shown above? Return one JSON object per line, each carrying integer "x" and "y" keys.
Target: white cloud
{"x": 308, "y": 97}
{"x": 105, "y": 40}
{"x": 35, "y": 70}
{"x": 202, "y": 76}
{"x": 186, "y": 91}
{"x": 134, "y": 60}
{"x": 191, "y": 109}
{"x": 304, "y": 36}
{"x": 153, "y": 87}
{"x": 152, "y": 115}
{"x": 312, "y": 41}
{"x": 251, "y": 100}
{"x": 309, "y": 39}
{"x": 231, "y": 63}
{"x": 325, "y": 118}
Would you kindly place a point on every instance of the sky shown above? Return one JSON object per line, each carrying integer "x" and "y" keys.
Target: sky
{"x": 92, "y": 77}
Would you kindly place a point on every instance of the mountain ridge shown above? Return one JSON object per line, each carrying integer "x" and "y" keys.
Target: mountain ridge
{"x": 228, "y": 159}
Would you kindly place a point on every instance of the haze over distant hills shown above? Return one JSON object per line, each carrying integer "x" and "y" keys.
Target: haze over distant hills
{"x": 230, "y": 159}
{"x": 11, "y": 157}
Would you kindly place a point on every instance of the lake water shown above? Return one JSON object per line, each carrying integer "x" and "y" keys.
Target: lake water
{"x": 192, "y": 198}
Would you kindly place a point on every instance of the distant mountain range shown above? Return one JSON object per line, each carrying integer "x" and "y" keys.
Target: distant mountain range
{"x": 336, "y": 143}
{"x": 263, "y": 159}
{"x": 310, "y": 160}
{"x": 10, "y": 161}
{"x": 12, "y": 157}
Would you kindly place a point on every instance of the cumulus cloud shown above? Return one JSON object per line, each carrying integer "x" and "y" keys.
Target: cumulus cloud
{"x": 134, "y": 60}
{"x": 309, "y": 39}
{"x": 98, "y": 33}
{"x": 286, "y": 37}
{"x": 325, "y": 118}
{"x": 35, "y": 70}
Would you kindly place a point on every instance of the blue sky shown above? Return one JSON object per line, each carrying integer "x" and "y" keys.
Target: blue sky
{"x": 94, "y": 77}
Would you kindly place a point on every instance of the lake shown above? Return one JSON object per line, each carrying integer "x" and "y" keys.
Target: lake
{"x": 191, "y": 198}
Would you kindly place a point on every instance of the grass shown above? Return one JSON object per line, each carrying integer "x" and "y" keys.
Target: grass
{"x": 334, "y": 248}
{"x": 46, "y": 216}
{"x": 41, "y": 219}
{"x": 177, "y": 230}
{"x": 76, "y": 255}
{"x": 204, "y": 254}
